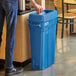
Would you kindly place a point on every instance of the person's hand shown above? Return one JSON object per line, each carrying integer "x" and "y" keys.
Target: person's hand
{"x": 39, "y": 9}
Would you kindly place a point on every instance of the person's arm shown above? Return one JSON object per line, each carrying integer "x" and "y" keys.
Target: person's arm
{"x": 39, "y": 9}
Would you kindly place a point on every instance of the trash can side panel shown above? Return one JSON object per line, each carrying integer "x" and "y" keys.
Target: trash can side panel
{"x": 35, "y": 36}
{"x": 51, "y": 42}
{"x": 44, "y": 49}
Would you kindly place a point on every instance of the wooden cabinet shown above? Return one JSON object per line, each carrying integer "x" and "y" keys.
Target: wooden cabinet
{"x": 22, "y": 40}
{"x": 2, "y": 48}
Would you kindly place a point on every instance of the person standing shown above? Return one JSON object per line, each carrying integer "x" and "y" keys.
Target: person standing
{"x": 9, "y": 9}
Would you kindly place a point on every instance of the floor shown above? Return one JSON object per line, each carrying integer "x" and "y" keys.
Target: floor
{"x": 65, "y": 57}
{"x": 65, "y": 60}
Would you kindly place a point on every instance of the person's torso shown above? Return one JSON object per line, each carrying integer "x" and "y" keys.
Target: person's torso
{"x": 9, "y": 3}
{"x": 13, "y": 1}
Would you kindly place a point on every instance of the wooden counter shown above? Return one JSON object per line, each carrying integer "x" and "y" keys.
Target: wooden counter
{"x": 22, "y": 40}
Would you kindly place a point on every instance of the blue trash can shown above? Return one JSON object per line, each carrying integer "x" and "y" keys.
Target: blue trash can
{"x": 43, "y": 36}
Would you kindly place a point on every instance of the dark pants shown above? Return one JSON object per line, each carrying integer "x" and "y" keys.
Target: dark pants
{"x": 9, "y": 9}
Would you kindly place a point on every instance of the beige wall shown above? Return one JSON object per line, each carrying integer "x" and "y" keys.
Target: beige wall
{"x": 41, "y": 2}
{"x": 38, "y": 1}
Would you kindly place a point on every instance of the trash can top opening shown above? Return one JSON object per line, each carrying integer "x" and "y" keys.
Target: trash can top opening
{"x": 45, "y": 12}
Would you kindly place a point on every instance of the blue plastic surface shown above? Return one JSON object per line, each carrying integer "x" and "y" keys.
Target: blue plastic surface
{"x": 43, "y": 37}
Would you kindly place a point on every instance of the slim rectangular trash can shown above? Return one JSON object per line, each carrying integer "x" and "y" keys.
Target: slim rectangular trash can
{"x": 43, "y": 36}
